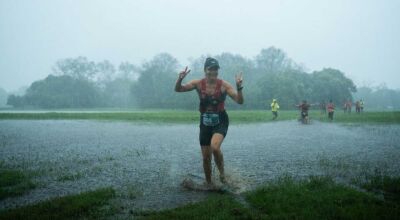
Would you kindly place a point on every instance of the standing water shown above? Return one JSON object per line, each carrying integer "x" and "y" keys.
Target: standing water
{"x": 151, "y": 160}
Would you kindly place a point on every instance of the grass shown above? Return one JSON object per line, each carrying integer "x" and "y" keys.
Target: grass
{"x": 131, "y": 192}
{"x": 162, "y": 116}
{"x": 184, "y": 116}
{"x": 287, "y": 198}
{"x": 380, "y": 183}
{"x": 319, "y": 198}
{"x": 390, "y": 186}
{"x": 142, "y": 116}
{"x": 87, "y": 205}
{"x": 284, "y": 198}
{"x": 214, "y": 207}
{"x": 14, "y": 183}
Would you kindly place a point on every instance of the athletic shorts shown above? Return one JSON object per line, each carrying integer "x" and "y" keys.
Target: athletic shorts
{"x": 304, "y": 114}
{"x": 275, "y": 114}
{"x": 206, "y": 132}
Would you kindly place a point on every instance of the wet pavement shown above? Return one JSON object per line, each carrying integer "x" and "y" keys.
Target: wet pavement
{"x": 146, "y": 162}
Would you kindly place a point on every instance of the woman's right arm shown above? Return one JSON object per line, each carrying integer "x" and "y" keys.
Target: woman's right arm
{"x": 186, "y": 87}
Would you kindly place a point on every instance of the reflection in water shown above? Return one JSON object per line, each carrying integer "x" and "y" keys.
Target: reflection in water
{"x": 149, "y": 161}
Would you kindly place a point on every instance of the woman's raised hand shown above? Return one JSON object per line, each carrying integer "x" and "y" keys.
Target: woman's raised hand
{"x": 183, "y": 73}
{"x": 239, "y": 79}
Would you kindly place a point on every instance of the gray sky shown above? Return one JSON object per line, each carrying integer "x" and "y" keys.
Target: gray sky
{"x": 359, "y": 37}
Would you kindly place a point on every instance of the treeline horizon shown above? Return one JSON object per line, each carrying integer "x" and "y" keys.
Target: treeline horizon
{"x": 81, "y": 83}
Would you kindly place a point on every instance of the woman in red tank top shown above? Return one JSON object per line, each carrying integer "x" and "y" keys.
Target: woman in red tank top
{"x": 214, "y": 120}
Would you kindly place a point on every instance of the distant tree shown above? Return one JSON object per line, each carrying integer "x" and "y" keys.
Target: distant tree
{"x": 271, "y": 74}
{"x": 77, "y": 68}
{"x": 61, "y": 92}
{"x": 3, "y": 97}
{"x": 289, "y": 87}
{"x": 16, "y": 101}
{"x": 117, "y": 93}
{"x": 363, "y": 92}
{"x": 233, "y": 64}
{"x": 273, "y": 60}
{"x": 379, "y": 98}
{"x": 129, "y": 71}
{"x": 332, "y": 84}
{"x": 154, "y": 87}
{"x": 105, "y": 73}
{"x": 20, "y": 91}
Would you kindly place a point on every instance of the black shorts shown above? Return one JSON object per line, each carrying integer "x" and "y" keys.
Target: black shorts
{"x": 304, "y": 114}
{"x": 275, "y": 114}
{"x": 206, "y": 132}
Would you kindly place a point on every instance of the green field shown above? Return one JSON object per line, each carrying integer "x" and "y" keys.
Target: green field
{"x": 284, "y": 198}
{"x": 182, "y": 116}
{"x": 287, "y": 198}
{"x": 86, "y": 205}
{"x": 14, "y": 183}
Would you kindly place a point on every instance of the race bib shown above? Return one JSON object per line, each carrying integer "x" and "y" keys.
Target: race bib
{"x": 210, "y": 119}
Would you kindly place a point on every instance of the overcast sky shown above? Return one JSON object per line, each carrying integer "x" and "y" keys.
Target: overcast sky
{"x": 359, "y": 37}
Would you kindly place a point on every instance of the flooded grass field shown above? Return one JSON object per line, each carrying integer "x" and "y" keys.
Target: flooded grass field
{"x": 146, "y": 162}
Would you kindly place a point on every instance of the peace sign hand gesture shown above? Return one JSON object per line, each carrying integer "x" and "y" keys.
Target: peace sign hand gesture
{"x": 239, "y": 80}
{"x": 183, "y": 73}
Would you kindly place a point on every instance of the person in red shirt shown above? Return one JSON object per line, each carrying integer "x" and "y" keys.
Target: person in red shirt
{"x": 348, "y": 106}
{"x": 331, "y": 109}
{"x": 304, "y": 106}
{"x": 358, "y": 108}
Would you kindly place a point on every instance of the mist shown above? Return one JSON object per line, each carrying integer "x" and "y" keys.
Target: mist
{"x": 357, "y": 37}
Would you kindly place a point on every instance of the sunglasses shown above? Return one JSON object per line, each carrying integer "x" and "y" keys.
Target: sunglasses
{"x": 214, "y": 68}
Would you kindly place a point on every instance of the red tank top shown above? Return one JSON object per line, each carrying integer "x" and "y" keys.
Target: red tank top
{"x": 215, "y": 102}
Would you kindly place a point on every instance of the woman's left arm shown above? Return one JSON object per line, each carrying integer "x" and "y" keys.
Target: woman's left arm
{"x": 236, "y": 95}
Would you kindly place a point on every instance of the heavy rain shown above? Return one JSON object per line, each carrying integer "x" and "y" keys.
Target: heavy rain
{"x": 199, "y": 110}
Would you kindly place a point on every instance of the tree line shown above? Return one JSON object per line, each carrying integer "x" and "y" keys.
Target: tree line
{"x": 379, "y": 98}
{"x": 81, "y": 83}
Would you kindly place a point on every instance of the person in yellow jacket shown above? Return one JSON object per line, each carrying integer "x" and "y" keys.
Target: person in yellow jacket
{"x": 361, "y": 106}
{"x": 274, "y": 109}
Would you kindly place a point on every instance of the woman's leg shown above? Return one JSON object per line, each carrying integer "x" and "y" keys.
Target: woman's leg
{"x": 207, "y": 154}
{"x": 216, "y": 142}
